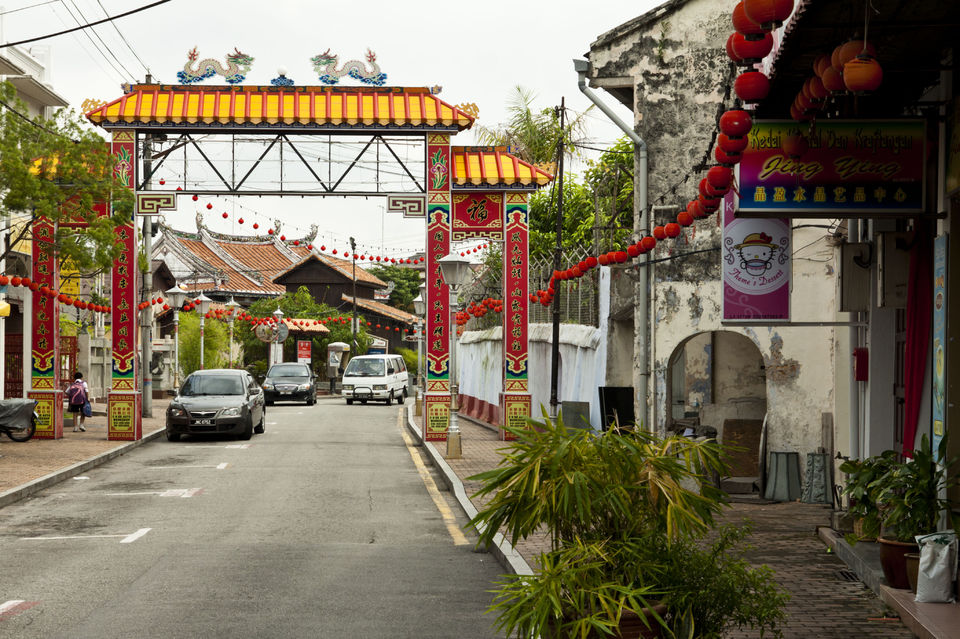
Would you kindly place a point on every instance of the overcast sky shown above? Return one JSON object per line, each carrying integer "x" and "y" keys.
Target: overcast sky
{"x": 478, "y": 52}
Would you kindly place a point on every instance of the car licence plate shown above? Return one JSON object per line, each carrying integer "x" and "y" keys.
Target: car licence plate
{"x": 204, "y": 421}
{"x": 285, "y": 392}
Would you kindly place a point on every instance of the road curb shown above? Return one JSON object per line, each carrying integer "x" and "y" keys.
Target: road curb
{"x": 16, "y": 494}
{"x": 508, "y": 557}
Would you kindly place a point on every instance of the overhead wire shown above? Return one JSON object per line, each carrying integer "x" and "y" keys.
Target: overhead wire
{"x": 129, "y": 75}
{"x": 32, "y": 6}
{"x": 96, "y": 59}
{"x": 85, "y": 26}
{"x": 122, "y": 37}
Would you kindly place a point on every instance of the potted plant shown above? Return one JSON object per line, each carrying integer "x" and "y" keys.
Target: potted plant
{"x": 627, "y": 513}
{"x": 908, "y": 498}
{"x": 862, "y": 489}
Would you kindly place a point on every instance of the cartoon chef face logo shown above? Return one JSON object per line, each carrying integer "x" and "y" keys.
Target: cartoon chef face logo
{"x": 756, "y": 253}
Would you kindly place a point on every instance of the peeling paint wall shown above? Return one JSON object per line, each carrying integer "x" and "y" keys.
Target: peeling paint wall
{"x": 677, "y": 68}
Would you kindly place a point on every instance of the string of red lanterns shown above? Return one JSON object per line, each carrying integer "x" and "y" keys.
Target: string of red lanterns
{"x": 62, "y": 298}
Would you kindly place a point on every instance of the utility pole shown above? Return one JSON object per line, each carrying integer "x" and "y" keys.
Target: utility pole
{"x": 557, "y": 254}
{"x": 353, "y": 320}
{"x": 146, "y": 315}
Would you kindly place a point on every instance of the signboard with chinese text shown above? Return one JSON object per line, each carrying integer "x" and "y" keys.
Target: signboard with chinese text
{"x": 756, "y": 267}
{"x": 45, "y": 334}
{"x": 477, "y": 214}
{"x": 303, "y": 351}
{"x": 939, "y": 338}
{"x": 436, "y": 417}
{"x": 852, "y": 167}
{"x": 437, "y": 246}
{"x": 123, "y": 417}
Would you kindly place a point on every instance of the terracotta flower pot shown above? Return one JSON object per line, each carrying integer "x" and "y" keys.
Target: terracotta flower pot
{"x": 632, "y": 625}
{"x": 913, "y": 569}
{"x": 894, "y": 563}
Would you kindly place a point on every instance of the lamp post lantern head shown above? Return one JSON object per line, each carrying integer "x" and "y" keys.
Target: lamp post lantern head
{"x": 176, "y": 296}
{"x": 203, "y": 304}
{"x": 232, "y": 307}
{"x": 419, "y": 304}
{"x": 278, "y": 314}
{"x": 455, "y": 270}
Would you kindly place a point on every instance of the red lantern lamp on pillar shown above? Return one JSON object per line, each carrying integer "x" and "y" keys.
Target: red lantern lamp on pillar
{"x": 744, "y": 25}
{"x": 751, "y": 86}
{"x": 862, "y": 75}
{"x": 769, "y": 14}
{"x": 731, "y": 53}
{"x": 751, "y": 51}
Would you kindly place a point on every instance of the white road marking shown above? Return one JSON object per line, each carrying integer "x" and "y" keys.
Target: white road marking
{"x": 129, "y": 539}
{"x": 13, "y": 603}
{"x": 173, "y": 492}
{"x": 81, "y": 477}
{"x": 459, "y": 539}
{"x": 218, "y": 467}
{"x": 124, "y": 538}
{"x": 212, "y": 446}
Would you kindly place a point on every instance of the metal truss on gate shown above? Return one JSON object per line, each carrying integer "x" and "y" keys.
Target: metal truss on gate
{"x": 284, "y": 163}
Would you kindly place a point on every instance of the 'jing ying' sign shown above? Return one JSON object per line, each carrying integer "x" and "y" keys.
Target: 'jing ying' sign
{"x": 851, "y": 168}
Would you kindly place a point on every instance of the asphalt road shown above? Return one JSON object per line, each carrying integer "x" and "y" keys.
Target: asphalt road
{"x": 323, "y": 526}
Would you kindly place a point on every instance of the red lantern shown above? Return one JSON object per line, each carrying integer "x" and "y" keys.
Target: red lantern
{"x": 769, "y": 14}
{"x": 658, "y": 232}
{"x": 751, "y": 51}
{"x": 633, "y": 250}
{"x": 731, "y": 145}
{"x": 821, "y": 64}
{"x": 603, "y": 260}
{"x": 799, "y": 115}
{"x": 240, "y": 220}
{"x": 621, "y": 257}
{"x": 575, "y": 272}
{"x": 162, "y": 182}
{"x": 795, "y": 145}
{"x": 16, "y": 281}
{"x": 707, "y": 191}
{"x": 736, "y": 123}
{"x": 269, "y": 231}
{"x": 708, "y": 205}
{"x": 323, "y": 247}
{"x": 4, "y": 280}
{"x": 296, "y": 242}
{"x": 591, "y": 261}
{"x": 224, "y": 215}
{"x": 648, "y": 243}
{"x": 745, "y": 25}
{"x": 862, "y": 74}
{"x": 728, "y": 159}
{"x": 672, "y": 229}
{"x": 850, "y": 50}
{"x": 719, "y": 177}
{"x": 195, "y": 198}
{"x": 209, "y": 206}
{"x": 256, "y": 226}
{"x": 815, "y": 89}
{"x": 283, "y": 238}
{"x": 684, "y": 218}
{"x": 730, "y": 51}
{"x": 309, "y": 247}
{"x": 693, "y": 209}
{"x": 751, "y": 86}
{"x": 804, "y": 104}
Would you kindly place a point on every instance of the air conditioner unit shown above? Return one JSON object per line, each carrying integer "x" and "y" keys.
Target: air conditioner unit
{"x": 893, "y": 269}
{"x": 856, "y": 260}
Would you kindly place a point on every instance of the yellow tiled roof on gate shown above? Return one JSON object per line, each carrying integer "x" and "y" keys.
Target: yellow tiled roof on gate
{"x": 494, "y": 166}
{"x": 304, "y": 106}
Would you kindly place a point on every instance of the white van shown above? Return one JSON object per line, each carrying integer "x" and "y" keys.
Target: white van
{"x": 375, "y": 377}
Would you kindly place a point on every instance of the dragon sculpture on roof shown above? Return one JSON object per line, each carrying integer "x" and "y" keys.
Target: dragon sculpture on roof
{"x": 238, "y": 65}
{"x": 325, "y": 64}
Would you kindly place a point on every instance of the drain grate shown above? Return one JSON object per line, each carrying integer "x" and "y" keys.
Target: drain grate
{"x": 847, "y": 575}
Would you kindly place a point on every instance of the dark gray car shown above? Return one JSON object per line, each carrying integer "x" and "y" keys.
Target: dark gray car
{"x": 290, "y": 381}
{"x": 218, "y": 401}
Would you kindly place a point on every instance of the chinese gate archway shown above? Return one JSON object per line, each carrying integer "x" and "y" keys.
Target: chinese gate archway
{"x": 460, "y": 192}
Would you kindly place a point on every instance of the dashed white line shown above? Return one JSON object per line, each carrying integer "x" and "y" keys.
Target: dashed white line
{"x": 124, "y": 538}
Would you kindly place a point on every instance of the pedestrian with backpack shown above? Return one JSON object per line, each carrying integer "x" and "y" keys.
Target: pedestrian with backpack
{"x": 77, "y": 397}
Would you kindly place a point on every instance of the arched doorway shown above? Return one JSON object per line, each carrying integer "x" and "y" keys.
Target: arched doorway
{"x": 717, "y": 380}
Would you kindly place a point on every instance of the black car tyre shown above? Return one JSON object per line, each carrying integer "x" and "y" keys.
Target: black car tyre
{"x": 248, "y": 431}
{"x": 363, "y": 401}
{"x": 173, "y": 437}
{"x": 349, "y": 402}
{"x": 402, "y": 396}
{"x": 262, "y": 425}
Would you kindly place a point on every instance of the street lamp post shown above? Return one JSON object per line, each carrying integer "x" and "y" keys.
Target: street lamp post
{"x": 353, "y": 320}
{"x": 277, "y": 345}
{"x": 232, "y": 307}
{"x": 176, "y": 296}
{"x": 419, "y": 307}
{"x": 203, "y": 305}
{"x": 456, "y": 272}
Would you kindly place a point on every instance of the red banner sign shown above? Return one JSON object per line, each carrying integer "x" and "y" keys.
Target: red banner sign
{"x": 477, "y": 214}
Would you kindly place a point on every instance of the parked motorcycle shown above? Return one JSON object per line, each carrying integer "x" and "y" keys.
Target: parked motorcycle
{"x": 18, "y": 418}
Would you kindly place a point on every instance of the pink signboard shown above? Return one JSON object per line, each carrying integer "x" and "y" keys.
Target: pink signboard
{"x": 756, "y": 267}
{"x": 303, "y": 351}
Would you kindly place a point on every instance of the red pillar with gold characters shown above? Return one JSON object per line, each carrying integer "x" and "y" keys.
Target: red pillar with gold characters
{"x": 123, "y": 410}
{"x": 45, "y": 335}
{"x": 516, "y": 392}
{"x": 436, "y": 403}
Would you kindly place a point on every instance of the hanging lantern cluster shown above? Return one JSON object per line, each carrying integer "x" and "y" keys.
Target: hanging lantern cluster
{"x": 46, "y": 291}
{"x": 479, "y": 309}
{"x": 753, "y": 21}
{"x": 851, "y": 67}
{"x": 157, "y": 301}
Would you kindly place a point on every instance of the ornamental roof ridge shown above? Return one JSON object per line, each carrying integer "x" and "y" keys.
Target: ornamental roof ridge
{"x": 239, "y": 267}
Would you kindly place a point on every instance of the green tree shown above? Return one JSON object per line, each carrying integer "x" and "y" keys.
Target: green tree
{"x": 406, "y": 285}
{"x": 299, "y": 304}
{"x": 215, "y": 354}
{"x": 611, "y": 180}
{"x": 60, "y": 169}
{"x": 578, "y": 217}
{"x": 533, "y": 133}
